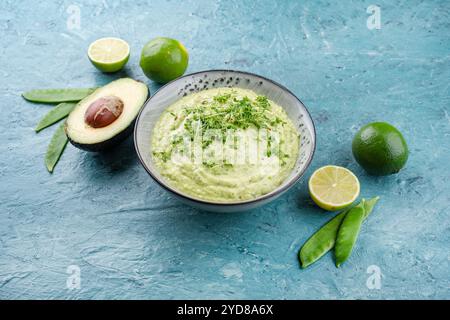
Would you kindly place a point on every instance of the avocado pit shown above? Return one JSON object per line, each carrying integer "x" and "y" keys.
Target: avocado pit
{"x": 103, "y": 111}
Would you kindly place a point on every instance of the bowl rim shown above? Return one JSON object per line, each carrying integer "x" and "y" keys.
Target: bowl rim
{"x": 263, "y": 197}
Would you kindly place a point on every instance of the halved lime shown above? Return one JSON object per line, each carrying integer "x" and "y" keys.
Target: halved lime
{"x": 109, "y": 54}
{"x": 333, "y": 188}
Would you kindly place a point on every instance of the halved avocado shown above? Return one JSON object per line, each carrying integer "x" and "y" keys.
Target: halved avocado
{"x": 107, "y": 116}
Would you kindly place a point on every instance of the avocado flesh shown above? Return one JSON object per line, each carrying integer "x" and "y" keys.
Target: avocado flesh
{"x": 133, "y": 95}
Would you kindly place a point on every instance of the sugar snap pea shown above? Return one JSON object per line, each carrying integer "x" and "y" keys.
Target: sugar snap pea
{"x": 321, "y": 242}
{"x": 59, "y": 112}
{"x": 349, "y": 230}
{"x": 348, "y": 233}
{"x": 57, "y": 95}
{"x": 368, "y": 206}
{"x": 56, "y": 147}
{"x": 325, "y": 238}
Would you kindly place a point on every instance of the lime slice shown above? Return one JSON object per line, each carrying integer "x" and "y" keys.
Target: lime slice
{"x": 333, "y": 188}
{"x": 109, "y": 54}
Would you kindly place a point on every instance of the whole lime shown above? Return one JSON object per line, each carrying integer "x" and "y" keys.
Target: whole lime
{"x": 164, "y": 59}
{"x": 380, "y": 149}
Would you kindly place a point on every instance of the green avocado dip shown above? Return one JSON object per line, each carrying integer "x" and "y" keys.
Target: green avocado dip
{"x": 224, "y": 145}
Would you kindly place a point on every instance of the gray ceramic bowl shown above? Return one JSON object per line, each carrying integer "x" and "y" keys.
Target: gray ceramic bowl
{"x": 195, "y": 82}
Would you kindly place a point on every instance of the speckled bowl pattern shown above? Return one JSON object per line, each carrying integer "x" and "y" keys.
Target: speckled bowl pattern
{"x": 204, "y": 80}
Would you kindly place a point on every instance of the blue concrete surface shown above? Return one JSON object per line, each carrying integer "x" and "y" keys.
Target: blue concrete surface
{"x": 130, "y": 239}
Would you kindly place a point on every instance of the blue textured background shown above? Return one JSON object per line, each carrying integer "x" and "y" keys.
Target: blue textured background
{"x": 130, "y": 239}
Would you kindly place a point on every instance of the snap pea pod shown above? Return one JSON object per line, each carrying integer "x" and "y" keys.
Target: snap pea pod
{"x": 349, "y": 229}
{"x": 321, "y": 242}
{"x": 348, "y": 233}
{"x": 368, "y": 206}
{"x": 57, "y": 95}
{"x": 59, "y": 112}
{"x": 56, "y": 147}
{"x": 325, "y": 238}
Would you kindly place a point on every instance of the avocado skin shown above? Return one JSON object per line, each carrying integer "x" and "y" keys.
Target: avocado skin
{"x": 107, "y": 144}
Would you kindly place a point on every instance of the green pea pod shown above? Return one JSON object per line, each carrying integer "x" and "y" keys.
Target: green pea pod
{"x": 325, "y": 238}
{"x": 56, "y": 148}
{"x": 321, "y": 242}
{"x": 368, "y": 206}
{"x": 57, "y": 95}
{"x": 348, "y": 233}
{"x": 59, "y": 112}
